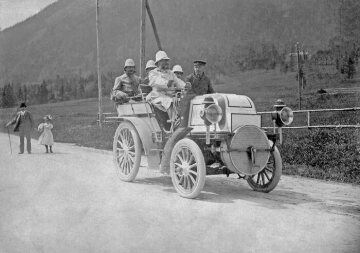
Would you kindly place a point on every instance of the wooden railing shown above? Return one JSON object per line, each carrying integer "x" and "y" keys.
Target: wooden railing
{"x": 309, "y": 123}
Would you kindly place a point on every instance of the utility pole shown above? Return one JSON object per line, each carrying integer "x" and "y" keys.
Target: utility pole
{"x": 98, "y": 64}
{"x": 299, "y": 77}
{"x": 153, "y": 25}
{"x": 142, "y": 38}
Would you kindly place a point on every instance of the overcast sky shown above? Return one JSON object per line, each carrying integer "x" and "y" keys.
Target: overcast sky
{"x": 14, "y": 11}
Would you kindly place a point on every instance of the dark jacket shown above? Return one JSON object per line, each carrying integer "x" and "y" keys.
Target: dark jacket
{"x": 199, "y": 85}
{"x": 23, "y": 122}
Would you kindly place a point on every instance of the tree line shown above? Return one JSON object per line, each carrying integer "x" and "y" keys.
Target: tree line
{"x": 61, "y": 88}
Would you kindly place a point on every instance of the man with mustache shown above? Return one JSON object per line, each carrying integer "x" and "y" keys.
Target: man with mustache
{"x": 163, "y": 81}
{"x": 126, "y": 85}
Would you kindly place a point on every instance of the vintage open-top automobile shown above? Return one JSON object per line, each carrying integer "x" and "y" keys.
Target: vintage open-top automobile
{"x": 223, "y": 135}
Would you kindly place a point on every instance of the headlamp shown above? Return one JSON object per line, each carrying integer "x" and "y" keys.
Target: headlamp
{"x": 283, "y": 117}
{"x": 213, "y": 113}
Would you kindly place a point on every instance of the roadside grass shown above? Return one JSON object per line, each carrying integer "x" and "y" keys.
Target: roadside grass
{"x": 329, "y": 154}
{"x": 74, "y": 122}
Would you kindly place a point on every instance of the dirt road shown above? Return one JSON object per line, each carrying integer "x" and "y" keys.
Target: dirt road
{"x": 71, "y": 201}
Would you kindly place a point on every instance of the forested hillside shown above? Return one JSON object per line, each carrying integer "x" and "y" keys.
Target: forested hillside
{"x": 61, "y": 39}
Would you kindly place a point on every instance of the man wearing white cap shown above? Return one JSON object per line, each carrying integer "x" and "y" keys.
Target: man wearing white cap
{"x": 177, "y": 69}
{"x": 162, "y": 79}
{"x": 150, "y": 65}
{"x": 126, "y": 85}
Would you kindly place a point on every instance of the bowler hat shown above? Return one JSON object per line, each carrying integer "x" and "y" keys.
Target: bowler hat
{"x": 22, "y": 105}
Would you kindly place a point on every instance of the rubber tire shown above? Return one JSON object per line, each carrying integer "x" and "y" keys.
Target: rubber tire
{"x": 275, "y": 178}
{"x": 138, "y": 150}
{"x": 199, "y": 158}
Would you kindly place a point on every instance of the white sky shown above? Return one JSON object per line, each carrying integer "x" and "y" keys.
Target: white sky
{"x": 14, "y": 11}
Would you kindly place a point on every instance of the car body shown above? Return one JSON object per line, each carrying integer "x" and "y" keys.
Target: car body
{"x": 223, "y": 136}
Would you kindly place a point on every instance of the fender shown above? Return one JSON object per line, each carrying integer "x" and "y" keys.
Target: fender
{"x": 144, "y": 129}
{"x": 175, "y": 137}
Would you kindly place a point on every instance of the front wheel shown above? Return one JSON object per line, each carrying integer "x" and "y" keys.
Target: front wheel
{"x": 267, "y": 179}
{"x": 187, "y": 168}
{"x": 126, "y": 151}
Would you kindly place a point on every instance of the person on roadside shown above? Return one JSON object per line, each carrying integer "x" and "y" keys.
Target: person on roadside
{"x": 163, "y": 82}
{"x": 24, "y": 123}
{"x": 177, "y": 69}
{"x": 200, "y": 84}
{"x": 126, "y": 85}
{"x": 46, "y": 138}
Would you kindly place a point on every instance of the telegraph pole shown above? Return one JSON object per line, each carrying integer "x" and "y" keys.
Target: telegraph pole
{"x": 142, "y": 38}
{"x": 153, "y": 25}
{"x": 299, "y": 77}
{"x": 98, "y": 64}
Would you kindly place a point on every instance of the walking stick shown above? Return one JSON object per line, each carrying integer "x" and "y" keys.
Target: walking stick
{"x": 9, "y": 140}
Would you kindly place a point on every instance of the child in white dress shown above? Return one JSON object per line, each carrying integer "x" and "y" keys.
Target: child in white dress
{"x": 46, "y": 138}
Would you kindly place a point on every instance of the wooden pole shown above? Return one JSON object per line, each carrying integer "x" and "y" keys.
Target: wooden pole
{"x": 142, "y": 39}
{"x": 98, "y": 64}
{"x": 299, "y": 78}
{"x": 153, "y": 25}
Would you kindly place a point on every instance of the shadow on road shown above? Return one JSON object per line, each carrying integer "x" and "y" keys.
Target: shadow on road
{"x": 49, "y": 154}
{"x": 229, "y": 190}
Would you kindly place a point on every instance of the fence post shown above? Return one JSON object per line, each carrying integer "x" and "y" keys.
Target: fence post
{"x": 308, "y": 118}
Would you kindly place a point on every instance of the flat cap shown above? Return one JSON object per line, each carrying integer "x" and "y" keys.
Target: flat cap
{"x": 200, "y": 61}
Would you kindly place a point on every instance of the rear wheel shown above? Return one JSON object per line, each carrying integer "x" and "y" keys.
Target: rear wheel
{"x": 268, "y": 178}
{"x": 126, "y": 151}
{"x": 187, "y": 168}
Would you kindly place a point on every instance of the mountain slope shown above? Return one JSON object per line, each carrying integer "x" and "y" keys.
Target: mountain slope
{"x": 61, "y": 39}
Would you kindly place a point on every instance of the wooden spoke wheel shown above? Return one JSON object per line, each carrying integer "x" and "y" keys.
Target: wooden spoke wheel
{"x": 126, "y": 151}
{"x": 268, "y": 178}
{"x": 187, "y": 168}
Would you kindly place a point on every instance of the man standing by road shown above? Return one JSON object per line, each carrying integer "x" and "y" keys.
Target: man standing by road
{"x": 126, "y": 85}
{"x": 24, "y": 123}
{"x": 200, "y": 85}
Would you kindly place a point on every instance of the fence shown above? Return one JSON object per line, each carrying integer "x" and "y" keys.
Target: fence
{"x": 307, "y": 113}
{"x": 112, "y": 117}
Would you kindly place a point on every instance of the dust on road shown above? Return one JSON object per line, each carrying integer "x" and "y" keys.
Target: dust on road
{"x": 71, "y": 201}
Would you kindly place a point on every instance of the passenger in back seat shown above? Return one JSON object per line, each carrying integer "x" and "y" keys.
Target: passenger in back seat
{"x": 163, "y": 81}
{"x": 126, "y": 85}
{"x": 150, "y": 65}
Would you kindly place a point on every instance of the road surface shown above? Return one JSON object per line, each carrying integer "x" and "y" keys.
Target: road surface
{"x": 71, "y": 201}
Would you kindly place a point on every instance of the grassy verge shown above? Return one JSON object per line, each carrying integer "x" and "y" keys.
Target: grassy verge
{"x": 329, "y": 154}
{"x": 74, "y": 122}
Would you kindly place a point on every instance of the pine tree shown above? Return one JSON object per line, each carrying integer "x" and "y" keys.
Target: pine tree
{"x": 81, "y": 92}
{"x": 43, "y": 93}
{"x": 25, "y": 93}
{"x": 20, "y": 94}
{"x": 62, "y": 92}
{"x": 8, "y": 96}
